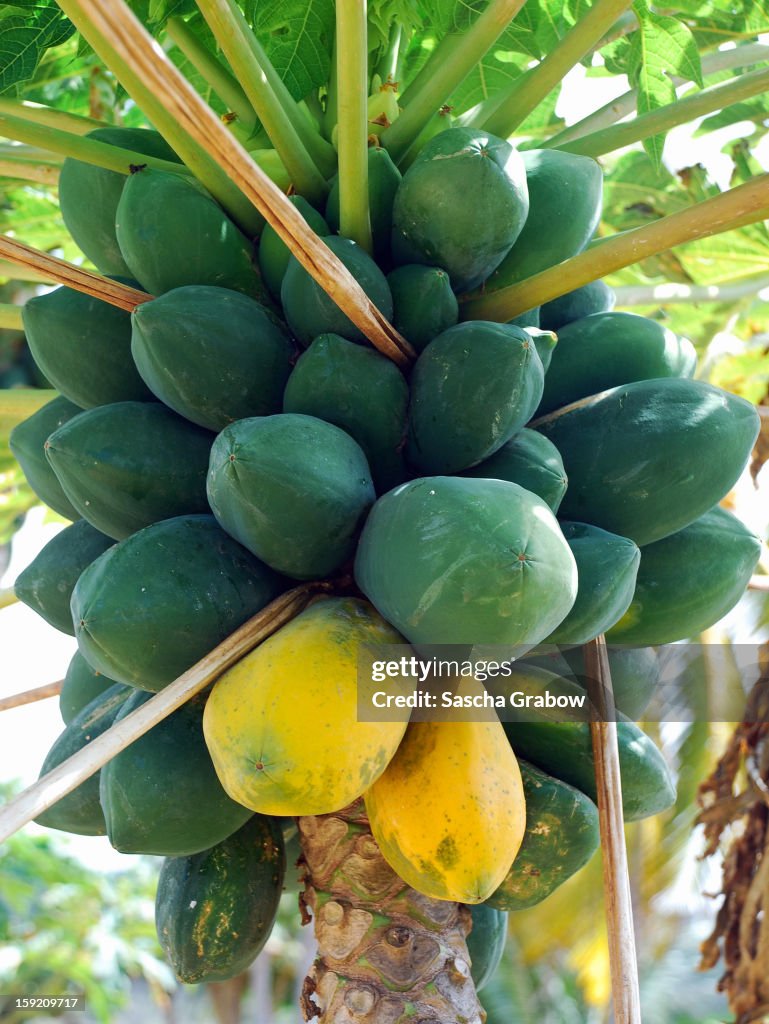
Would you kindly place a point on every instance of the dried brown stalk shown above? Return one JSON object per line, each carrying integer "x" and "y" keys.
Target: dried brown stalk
{"x": 18, "y": 700}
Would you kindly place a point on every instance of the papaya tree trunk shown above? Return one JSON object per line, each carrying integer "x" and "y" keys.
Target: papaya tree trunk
{"x": 386, "y": 954}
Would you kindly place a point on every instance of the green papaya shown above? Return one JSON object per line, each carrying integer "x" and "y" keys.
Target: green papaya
{"x": 608, "y": 349}
{"x": 161, "y": 795}
{"x": 126, "y": 465}
{"x": 81, "y": 685}
{"x": 461, "y": 206}
{"x": 47, "y": 583}
{"x": 606, "y": 568}
{"x": 565, "y": 198}
{"x": 648, "y": 458}
{"x": 528, "y": 319}
{"x": 215, "y": 910}
{"x": 424, "y": 304}
{"x": 213, "y": 355}
{"x": 453, "y": 560}
{"x": 486, "y": 942}
{"x": 635, "y": 672}
{"x": 472, "y": 389}
{"x": 171, "y": 232}
{"x": 153, "y": 605}
{"x": 595, "y": 297}
{"x": 558, "y": 742}
{"x": 89, "y": 195}
{"x": 689, "y": 580}
{"x": 383, "y": 181}
{"x": 530, "y": 460}
{"x": 561, "y": 836}
{"x": 28, "y": 443}
{"x": 274, "y": 254}
{"x": 359, "y": 390}
{"x": 80, "y": 811}
{"x": 83, "y": 346}
{"x": 292, "y": 489}
{"x": 309, "y": 311}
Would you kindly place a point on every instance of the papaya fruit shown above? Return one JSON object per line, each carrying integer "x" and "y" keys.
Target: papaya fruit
{"x": 606, "y": 569}
{"x": 565, "y": 196}
{"x": 528, "y": 319}
{"x": 594, "y": 297}
{"x": 359, "y": 390}
{"x": 383, "y": 181}
{"x": 292, "y": 489}
{"x": 544, "y": 342}
{"x": 635, "y": 672}
{"x": 83, "y": 346}
{"x": 607, "y": 349}
{"x": 453, "y": 560}
{"x": 153, "y": 605}
{"x": 274, "y": 254}
{"x": 28, "y": 443}
{"x": 561, "y": 745}
{"x": 215, "y": 910}
{"x": 171, "y": 232}
{"x": 472, "y": 389}
{"x": 561, "y": 836}
{"x": 211, "y": 354}
{"x": 81, "y": 685}
{"x": 648, "y": 458}
{"x": 89, "y": 196}
{"x": 448, "y": 812}
{"x": 433, "y": 221}
{"x": 276, "y": 761}
{"x": 47, "y": 583}
{"x": 126, "y": 465}
{"x": 80, "y": 811}
{"x": 530, "y": 460}
{"x": 160, "y": 795}
{"x": 486, "y": 942}
{"x": 309, "y": 311}
{"x": 689, "y": 580}
{"x": 424, "y": 304}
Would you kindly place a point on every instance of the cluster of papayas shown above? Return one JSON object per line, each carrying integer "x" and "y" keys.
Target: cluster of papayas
{"x": 543, "y": 481}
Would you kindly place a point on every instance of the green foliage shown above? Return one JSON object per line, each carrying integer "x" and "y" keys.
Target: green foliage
{"x": 27, "y": 29}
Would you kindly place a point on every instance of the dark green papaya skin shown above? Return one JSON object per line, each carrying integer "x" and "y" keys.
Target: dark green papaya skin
{"x": 561, "y": 836}
{"x": 83, "y": 346}
{"x": 89, "y": 196}
{"x": 383, "y": 181}
{"x": 634, "y": 671}
{"x": 486, "y": 942}
{"x": 81, "y": 685}
{"x": 152, "y": 606}
{"x": 127, "y": 465}
{"x": 424, "y": 304}
{"x": 171, "y": 233}
{"x": 309, "y": 311}
{"x": 608, "y": 349}
{"x": 215, "y": 910}
{"x": 211, "y": 354}
{"x": 362, "y": 392}
{"x": 472, "y": 389}
{"x": 530, "y": 460}
{"x": 595, "y": 297}
{"x": 648, "y": 458}
{"x": 28, "y": 443}
{"x": 274, "y": 254}
{"x": 161, "y": 794}
{"x": 80, "y": 811}
{"x": 689, "y": 580}
{"x": 47, "y": 583}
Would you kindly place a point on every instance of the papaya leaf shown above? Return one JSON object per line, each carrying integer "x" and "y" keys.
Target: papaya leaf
{"x": 298, "y": 36}
{"x": 161, "y": 10}
{"x": 27, "y": 29}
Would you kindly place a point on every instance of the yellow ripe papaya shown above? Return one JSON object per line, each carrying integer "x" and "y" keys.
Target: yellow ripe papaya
{"x": 281, "y": 725}
{"x": 449, "y": 812}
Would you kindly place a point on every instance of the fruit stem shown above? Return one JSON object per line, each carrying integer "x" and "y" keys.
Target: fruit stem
{"x": 352, "y": 95}
{"x": 7, "y": 598}
{"x": 18, "y": 700}
{"x": 622, "y": 106}
{"x": 10, "y": 317}
{"x": 38, "y": 113}
{"x": 40, "y": 172}
{"x": 388, "y": 63}
{"x": 734, "y": 208}
{"x": 233, "y": 35}
{"x": 443, "y": 50}
{"x": 224, "y": 84}
{"x": 447, "y": 73}
{"x": 526, "y": 92}
{"x": 16, "y": 404}
{"x": 644, "y": 126}
{"x": 109, "y": 42}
